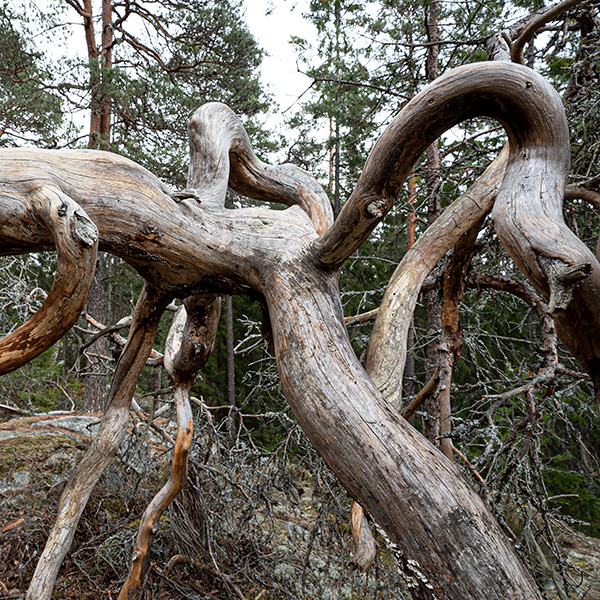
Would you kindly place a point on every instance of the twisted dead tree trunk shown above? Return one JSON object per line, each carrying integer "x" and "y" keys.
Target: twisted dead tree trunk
{"x": 113, "y": 427}
{"x": 448, "y": 544}
{"x": 188, "y": 347}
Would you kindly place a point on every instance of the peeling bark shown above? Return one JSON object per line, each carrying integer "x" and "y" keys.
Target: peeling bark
{"x": 188, "y": 347}
{"x": 453, "y": 287}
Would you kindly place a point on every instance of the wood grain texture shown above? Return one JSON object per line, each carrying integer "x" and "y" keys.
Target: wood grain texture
{"x": 221, "y": 155}
{"x": 386, "y": 352}
{"x": 113, "y": 427}
{"x": 450, "y": 545}
{"x": 520, "y": 99}
{"x": 76, "y": 241}
{"x": 172, "y": 244}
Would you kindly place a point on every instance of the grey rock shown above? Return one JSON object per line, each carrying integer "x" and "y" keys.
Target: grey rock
{"x": 19, "y": 480}
{"x": 82, "y": 424}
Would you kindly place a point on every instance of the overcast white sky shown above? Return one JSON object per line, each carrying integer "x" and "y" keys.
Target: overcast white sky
{"x": 273, "y": 22}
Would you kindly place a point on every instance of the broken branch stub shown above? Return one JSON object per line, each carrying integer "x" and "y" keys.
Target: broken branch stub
{"x": 365, "y": 546}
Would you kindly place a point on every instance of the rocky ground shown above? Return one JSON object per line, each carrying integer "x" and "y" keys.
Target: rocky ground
{"x": 282, "y": 550}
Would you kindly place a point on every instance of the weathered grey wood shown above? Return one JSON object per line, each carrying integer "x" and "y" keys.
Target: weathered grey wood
{"x": 509, "y": 43}
{"x": 528, "y": 213}
{"x": 76, "y": 241}
{"x": 528, "y": 220}
{"x": 448, "y": 540}
{"x": 113, "y": 427}
{"x": 221, "y": 155}
{"x": 519, "y": 98}
{"x": 450, "y": 544}
{"x": 523, "y": 31}
{"x": 386, "y": 352}
{"x": 173, "y": 244}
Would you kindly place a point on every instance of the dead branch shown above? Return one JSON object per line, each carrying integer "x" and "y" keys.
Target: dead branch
{"x": 189, "y": 344}
{"x": 113, "y": 427}
{"x": 423, "y": 395}
{"x": 76, "y": 241}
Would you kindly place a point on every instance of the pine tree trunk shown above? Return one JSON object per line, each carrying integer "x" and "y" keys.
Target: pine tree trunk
{"x": 230, "y": 365}
{"x": 94, "y": 391}
{"x": 434, "y": 308}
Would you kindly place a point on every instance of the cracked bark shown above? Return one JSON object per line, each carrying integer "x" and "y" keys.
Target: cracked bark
{"x": 449, "y": 544}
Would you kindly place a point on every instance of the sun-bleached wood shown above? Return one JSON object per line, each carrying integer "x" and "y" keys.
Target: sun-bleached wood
{"x": 76, "y": 241}
{"x": 113, "y": 427}
{"x": 386, "y": 352}
{"x": 221, "y": 155}
{"x": 447, "y": 541}
{"x": 522, "y": 101}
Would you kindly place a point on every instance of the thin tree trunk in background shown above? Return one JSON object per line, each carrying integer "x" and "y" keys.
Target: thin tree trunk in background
{"x": 95, "y": 382}
{"x": 95, "y": 78}
{"x": 431, "y": 426}
{"x": 99, "y": 137}
{"x": 453, "y": 288}
{"x": 337, "y": 204}
{"x": 230, "y": 365}
{"x": 105, "y": 66}
{"x": 100, "y": 62}
{"x": 331, "y": 157}
{"x": 434, "y": 309}
{"x": 336, "y": 192}
{"x": 408, "y": 379}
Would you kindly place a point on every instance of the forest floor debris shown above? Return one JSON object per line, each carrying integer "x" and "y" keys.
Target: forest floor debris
{"x": 280, "y": 549}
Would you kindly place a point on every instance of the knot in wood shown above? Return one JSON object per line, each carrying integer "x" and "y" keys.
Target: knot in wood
{"x": 150, "y": 232}
{"x": 377, "y": 208}
{"x": 84, "y": 230}
{"x": 562, "y": 279}
{"x": 180, "y": 195}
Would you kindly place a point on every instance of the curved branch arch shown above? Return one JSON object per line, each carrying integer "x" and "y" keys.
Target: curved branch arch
{"x": 221, "y": 155}
{"x": 527, "y": 214}
{"x": 525, "y": 104}
{"x": 76, "y": 241}
{"x": 417, "y": 496}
